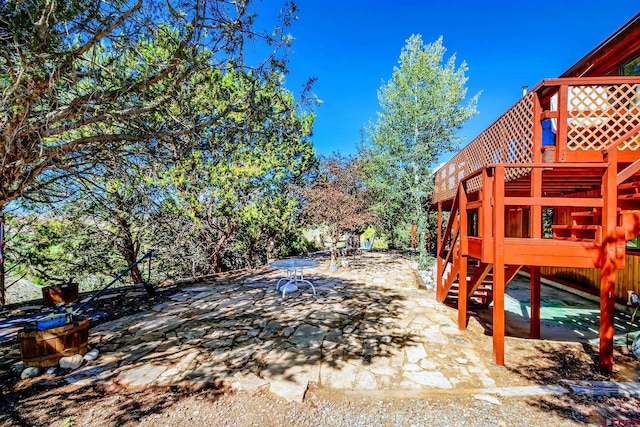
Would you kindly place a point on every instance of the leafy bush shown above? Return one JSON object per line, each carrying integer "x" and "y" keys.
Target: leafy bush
{"x": 296, "y": 244}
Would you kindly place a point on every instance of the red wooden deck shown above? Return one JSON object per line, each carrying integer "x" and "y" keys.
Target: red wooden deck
{"x": 497, "y": 188}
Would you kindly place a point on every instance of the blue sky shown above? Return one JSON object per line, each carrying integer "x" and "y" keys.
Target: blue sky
{"x": 351, "y": 46}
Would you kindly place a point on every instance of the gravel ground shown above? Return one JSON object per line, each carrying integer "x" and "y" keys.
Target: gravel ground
{"x": 173, "y": 408}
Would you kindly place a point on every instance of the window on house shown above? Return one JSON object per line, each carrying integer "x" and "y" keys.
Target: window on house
{"x": 634, "y": 243}
{"x": 631, "y": 68}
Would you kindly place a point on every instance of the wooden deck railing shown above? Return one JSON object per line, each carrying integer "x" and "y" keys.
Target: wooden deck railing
{"x": 587, "y": 116}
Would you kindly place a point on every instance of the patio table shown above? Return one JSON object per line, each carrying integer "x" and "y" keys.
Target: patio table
{"x": 294, "y": 269}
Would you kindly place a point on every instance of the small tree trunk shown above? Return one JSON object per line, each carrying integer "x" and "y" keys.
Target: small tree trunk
{"x": 334, "y": 255}
{"x": 217, "y": 252}
{"x": 269, "y": 249}
{"x": 136, "y": 275}
{"x": 130, "y": 250}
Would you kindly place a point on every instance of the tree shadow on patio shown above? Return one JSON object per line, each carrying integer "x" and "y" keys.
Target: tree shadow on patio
{"x": 234, "y": 329}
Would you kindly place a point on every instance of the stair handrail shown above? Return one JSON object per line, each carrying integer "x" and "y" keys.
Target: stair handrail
{"x": 623, "y": 138}
{"x": 450, "y": 238}
{"x": 447, "y": 231}
{"x": 478, "y": 277}
{"x": 454, "y": 239}
{"x": 634, "y": 167}
{"x": 453, "y": 273}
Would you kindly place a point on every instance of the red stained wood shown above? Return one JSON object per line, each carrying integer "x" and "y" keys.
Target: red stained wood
{"x": 592, "y": 183}
{"x": 462, "y": 277}
{"x": 498, "y": 268}
{"x": 534, "y": 326}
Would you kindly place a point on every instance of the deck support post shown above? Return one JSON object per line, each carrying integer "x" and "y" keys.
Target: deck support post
{"x": 439, "y": 260}
{"x": 607, "y": 316}
{"x": 534, "y": 281}
{"x": 462, "y": 275}
{"x": 535, "y": 232}
{"x": 607, "y": 260}
{"x": 498, "y": 266}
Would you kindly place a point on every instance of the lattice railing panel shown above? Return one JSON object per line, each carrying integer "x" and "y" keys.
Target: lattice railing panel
{"x": 508, "y": 140}
{"x": 599, "y": 115}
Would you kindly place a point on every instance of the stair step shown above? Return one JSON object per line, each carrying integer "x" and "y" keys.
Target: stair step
{"x": 482, "y": 291}
{"x": 585, "y": 232}
{"x": 630, "y": 196}
{"x": 634, "y": 185}
{"x": 593, "y": 217}
{"x": 576, "y": 227}
{"x": 478, "y": 301}
{"x": 587, "y": 213}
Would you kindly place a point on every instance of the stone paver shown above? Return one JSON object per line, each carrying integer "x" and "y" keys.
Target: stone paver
{"x": 371, "y": 327}
{"x": 367, "y": 329}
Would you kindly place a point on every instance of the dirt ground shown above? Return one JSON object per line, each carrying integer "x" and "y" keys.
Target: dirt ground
{"x": 48, "y": 401}
{"x": 49, "y": 405}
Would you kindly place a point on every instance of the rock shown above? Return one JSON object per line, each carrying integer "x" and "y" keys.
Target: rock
{"x": 461, "y": 360}
{"x": 307, "y": 336}
{"x": 179, "y": 297}
{"x": 140, "y": 376}
{"x": 430, "y": 379}
{"x": 292, "y": 388}
{"x": 91, "y": 375}
{"x": 51, "y": 370}
{"x": 365, "y": 380}
{"x": 415, "y": 353}
{"x": 272, "y": 328}
{"x": 17, "y": 367}
{"x": 411, "y": 367}
{"x": 92, "y": 355}
{"x": 286, "y": 332}
{"x": 71, "y": 362}
{"x": 249, "y": 382}
{"x": 30, "y": 372}
{"x": 428, "y": 365}
{"x": 487, "y": 381}
{"x": 487, "y": 398}
{"x": 341, "y": 377}
{"x": 349, "y": 329}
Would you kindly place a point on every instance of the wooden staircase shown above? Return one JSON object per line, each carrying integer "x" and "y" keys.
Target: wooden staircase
{"x": 498, "y": 189}
{"x": 629, "y": 192}
{"x": 479, "y": 284}
{"x": 586, "y": 226}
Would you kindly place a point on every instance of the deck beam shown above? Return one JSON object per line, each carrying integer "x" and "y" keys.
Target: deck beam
{"x": 550, "y": 252}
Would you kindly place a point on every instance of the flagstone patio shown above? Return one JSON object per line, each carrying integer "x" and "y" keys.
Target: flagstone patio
{"x": 368, "y": 328}
{"x": 372, "y": 327}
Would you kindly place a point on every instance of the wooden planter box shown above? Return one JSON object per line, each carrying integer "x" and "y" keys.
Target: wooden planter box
{"x": 56, "y": 294}
{"x": 46, "y": 348}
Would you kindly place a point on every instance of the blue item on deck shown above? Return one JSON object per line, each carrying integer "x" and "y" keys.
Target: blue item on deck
{"x": 548, "y": 135}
